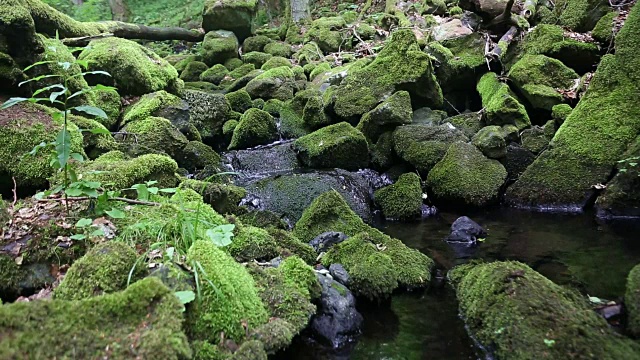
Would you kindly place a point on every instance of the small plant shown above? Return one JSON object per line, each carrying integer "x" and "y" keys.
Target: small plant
{"x": 629, "y": 165}
{"x": 144, "y": 191}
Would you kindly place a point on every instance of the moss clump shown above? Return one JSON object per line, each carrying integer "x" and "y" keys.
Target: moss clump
{"x": 94, "y": 144}
{"x": 297, "y": 273}
{"x": 134, "y": 69}
{"x": 324, "y": 32}
{"x": 203, "y": 350}
{"x": 522, "y": 315}
{"x": 240, "y": 100}
{"x": 491, "y": 141}
{"x": 632, "y": 300}
{"x": 579, "y": 15}
{"x": 308, "y": 53}
{"x": 153, "y": 104}
{"x": 22, "y": 127}
{"x": 466, "y": 176}
{"x": 224, "y": 198}
{"x": 232, "y": 15}
{"x": 537, "y": 138}
{"x": 275, "y": 62}
{"x": 383, "y": 155}
{"x": 252, "y": 243}
{"x": 394, "y": 111}
{"x": 153, "y": 135}
{"x": 250, "y": 350}
{"x": 255, "y": 43}
{"x": 255, "y": 58}
{"x": 340, "y": 145}
{"x": 215, "y": 74}
{"x": 256, "y": 127}
{"x": 560, "y": 113}
{"x": 461, "y": 61}
{"x": 287, "y": 243}
{"x": 277, "y": 48}
{"x": 469, "y": 123}
{"x": 218, "y": 47}
{"x": 32, "y": 329}
{"x": 500, "y": 104}
{"x": 233, "y": 64}
{"x": 241, "y": 71}
{"x": 604, "y": 29}
{"x": 401, "y": 65}
{"x": 103, "y": 270}
{"x": 193, "y": 71}
{"x": 313, "y": 115}
{"x": 275, "y": 335}
{"x": 319, "y": 69}
{"x": 197, "y": 156}
{"x": 208, "y": 113}
{"x": 278, "y": 83}
{"x": 402, "y": 200}
{"x": 228, "y": 296}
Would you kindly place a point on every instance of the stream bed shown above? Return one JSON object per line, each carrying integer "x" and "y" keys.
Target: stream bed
{"x": 574, "y": 250}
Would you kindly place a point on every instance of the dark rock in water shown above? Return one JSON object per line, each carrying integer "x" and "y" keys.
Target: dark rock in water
{"x": 428, "y": 211}
{"x": 339, "y": 273}
{"x": 465, "y": 230}
{"x": 517, "y": 160}
{"x": 261, "y": 162}
{"x": 337, "y": 319}
{"x": 326, "y": 240}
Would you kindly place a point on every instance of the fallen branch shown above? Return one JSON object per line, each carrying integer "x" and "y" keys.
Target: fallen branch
{"x": 503, "y": 44}
{"x": 85, "y": 198}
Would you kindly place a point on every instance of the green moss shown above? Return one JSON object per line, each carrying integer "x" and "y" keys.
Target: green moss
{"x": 276, "y": 62}
{"x": 278, "y": 49}
{"x": 232, "y": 15}
{"x": 456, "y": 10}
{"x": 536, "y": 138}
{"x": 240, "y": 100}
{"x": 603, "y": 31}
{"x": 94, "y": 144}
{"x": 224, "y": 198}
{"x": 208, "y": 112}
{"x": 313, "y": 115}
{"x": 241, "y": 71}
{"x": 218, "y": 47}
{"x": 392, "y": 112}
{"x": 500, "y": 104}
{"x": 215, "y": 74}
{"x": 291, "y": 244}
{"x": 324, "y": 32}
{"x": 196, "y": 155}
{"x": 491, "y": 141}
{"x": 522, "y": 315}
{"x": 402, "y": 200}
{"x": 299, "y": 74}
{"x": 561, "y": 112}
{"x": 466, "y": 176}
{"x": 580, "y": 15}
{"x": 308, "y": 53}
{"x": 382, "y": 153}
{"x": 255, "y": 43}
{"x": 256, "y": 127}
{"x": 469, "y": 123}
{"x": 252, "y": 243}
{"x": 233, "y": 64}
{"x": 193, "y": 71}
{"x": 149, "y": 105}
{"x": 103, "y": 270}
{"x": 250, "y": 350}
{"x": 182, "y": 64}
{"x": 102, "y": 326}
{"x": 134, "y": 69}
{"x": 632, "y": 300}
{"x": 339, "y": 145}
{"x": 229, "y": 127}
{"x": 275, "y": 335}
{"x": 228, "y": 296}
{"x": 319, "y": 69}
{"x": 461, "y": 61}
{"x": 297, "y": 273}
{"x": 278, "y": 83}
{"x": 203, "y": 350}
{"x": 256, "y": 58}
{"x": 153, "y": 135}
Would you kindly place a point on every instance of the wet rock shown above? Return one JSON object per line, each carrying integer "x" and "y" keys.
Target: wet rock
{"x": 339, "y": 273}
{"x": 465, "y": 230}
{"x": 490, "y": 140}
{"x": 231, "y": 15}
{"x": 537, "y": 138}
{"x": 337, "y": 319}
{"x": 262, "y": 162}
{"x": 469, "y": 123}
{"x": 326, "y": 240}
{"x": 517, "y": 160}
{"x": 426, "y": 116}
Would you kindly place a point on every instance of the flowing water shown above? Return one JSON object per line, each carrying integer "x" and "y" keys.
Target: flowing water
{"x": 573, "y": 250}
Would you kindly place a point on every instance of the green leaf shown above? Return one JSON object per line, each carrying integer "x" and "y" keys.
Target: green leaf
{"x": 39, "y": 63}
{"x": 38, "y": 78}
{"x": 77, "y": 157}
{"x": 74, "y": 192}
{"x": 623, "y": 170}
{"x": 153, "y": 190}
{"x": 84, "y": 222}
{"x": 169, "y": 190}
{"x": 41, "y": 90}
{"x": 98, "y": 232}
{"x": 97, "y": 72}
{"x": 37, "y": 148}
{"x": 99, "y": 131}
{"x": 549, "y": 343}
{"x": 92, "y": 193}
{"x": 78, "y": 237}
{"x": 63, "y": 147}
{"x": 13, "y": 101}
{"x": 185, "y": 297}
{"x": 92, "y": 110}
{"x": 116, "y": 213}
{"x": 93, "y": 184}
{"x": 83, "y": 63}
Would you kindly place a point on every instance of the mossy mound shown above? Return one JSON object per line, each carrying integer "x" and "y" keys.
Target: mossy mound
{"x": 278, "y": 48}
{"x": 632, "y": 301}
{"x": 523, "y": 315}
{"x": 240, "y": 101}
{"x": 228, "y": 296}
{"x": 461, "y": 61}
{"x": 277, "y": 83}
{"x": 383, "y": 156}
{"x": 500, "y": 103}
{"x": 224, "y": 198}
{"x": 153, "y": 135}
{"x": 578, "y": 15}
{"x": 255, "y": 43}
{"x": 197, "y": 156}
{"x": 469, "y": 123}
{"x": 33, "y": 329}
{"x": 134, "y": 69}
{"x": 275, "y": 62}
{"x": 537, "y": 138}
{"x": 256, "y": 58}
{"x": 394, "y": 111}
{"x": 232, "y": 15}
{"x": 403, "y": 199}
{"x": 287, "y": 243}
{"x": 401, "y": 65}
{"x": 208, "y": 113}
{"x": 252, "y": 243}
{"x": 103, "y": 270}
{"x": 299, "y": 274}
{"x": 193, "y": 71}
{"x": 313, "y": 115}
{"x": 256, "y": 127}
{"x": 604, "y": 29}
{"x": 560, "y": 113}
{"x": 491, "y": 141}
{"x": 219, "y": 46}
{"x": 160, "y": 104}
{"x": 466, "y": 177}
{"x": 215, "y": 74}
{"x": 335, "y": 146}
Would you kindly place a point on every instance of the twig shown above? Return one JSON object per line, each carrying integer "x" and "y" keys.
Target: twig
{"x": 84, "y": 198}
{"x": 15, "y": 193}
{"x": 453, "y": 107}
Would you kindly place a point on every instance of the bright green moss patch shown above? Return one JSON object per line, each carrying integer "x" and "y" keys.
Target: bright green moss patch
{"x": 287, "y": 243}
{"x": 500, "y": 104}
{"x": 297, "y": 273}
{"x": 491, "y": 141}
{"x": 523, "y": 315}
{"x": 394, "y": 111}
{"x": 103, "y": 270}
{"x": 150, "y": 105}
{"x": 278, "y": 48}
{"x": 227, "y": 302}
{"x": 276, "y": 83}
{"x": 255, "y": 43}
{"x": 275, "y": 62}
{"x": 461, "y": 61}
{"x": 240, "y": 101}
{"x": 218, "y": 47}
{"x": 252, "y": 243}
{"x": 153, "y": 135}
{"x": 324, "y": 32}
{"x": 402, "y": 200}
{"x": 339, "y": 145}
{"x": 193, "y": 71}
{"x": 256, "y": 127}
{"x": 102, "y": 326}
{"x": 319, "y": 69}
{"x": 215, "y": 74}
{"x": 603, "y": 31}
{"x": 256, "y": 58}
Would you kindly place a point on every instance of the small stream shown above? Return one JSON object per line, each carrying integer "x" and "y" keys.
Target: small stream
{"x": 573, "y": 250}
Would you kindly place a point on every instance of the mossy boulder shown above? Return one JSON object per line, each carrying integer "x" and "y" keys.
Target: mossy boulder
{"x": 621, "y": 197}
{"x": 308, "y": 53}
{"x": 560, "y": 113}
{"x": 536, "y": 138}
{"x": 153, "y": 135}
{"x": 401, "y": 65}
{"x": 469, "y": 123}
{"x": 22, "y": 127}
{"x": 256, "y": 127}
{"x": 424, "y": 145}
{"x": 461, "y": 60}
{"x": 522, "y": 315}
{"x": 193, "y": 71}
{"x": 278, "y": 83}
{"x": 594, "y": 136}
{"x": 224, "y": 198}
{"x": 256, "y": 58}
{"x": 197, "y": 156}
{"x": 231, "y": 15}
{"x": 215, "y": 74}
{"x": 160, "y": 104}
{"x": 87, "y": 321}
{"x": 252, "y": 243}
{"x": 299, "y": 274}
{"x": 604, "y": 29}
{"x": 134, "y": 69}
{"x": 500, "y": 104}
{"x": 382, "y": 153}
{"x": 313, "y": 114}
{"x": 403, "y": 199}
{"x": 103, "y": 270}
{"x": 466, "y": 177}
{"x": 335, "y": 146}
{"x": 540, "y": 78}
{"x": 578, "y": 15}
{"x": 632, "y": 301}
{"x": 255, "y": 43}
{"x": 394, "y": 111}
{"x": 276, "y": 61}
{"x": 240, "y": 101}
{"x": 325, "y": 33}
{"x": 219, "y": 46}
{"x": 318, "y": 69}
{"x": 208, "y": 113}
{"x": 214, "y": 314}
{"x": 278, "y": 48}
{"x": 287, "y": 243}
{"x": 491, "y": 141}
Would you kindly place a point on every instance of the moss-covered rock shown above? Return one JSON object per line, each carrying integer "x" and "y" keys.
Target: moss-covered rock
{"x": 287, "y": 243}
{"x": 424, "y": 145}
{"x": 595, "y": 135}
{"x": 383, "y": 156}
{"x": 134, "y": 69}
{"x": 299, "y": 274}
{"x": 278, "y": 83}
{"x": 241, "y": 71}
{"x": 621, "y": 197}
{"x": 232, "y": 15}
{"x": 491, "y": 141}
{"x": 224, "y": 198}
{"x": 522, "y": 315}
{"x": 275, "y": 62}
{"x": 275, "y": 335}
{"x": 160, "y": 104}
{"x": 256, "y": 127}
{"x": 255, "y": 43}
{"x": 500, "y": 103}
{"x": 540, "y": 78}
{"x": 560, "y": 113}
{"x": 193, "y": 71}
{"x": 319, "y": 69}
{"x": 152, "y": 135}
{"x": 308, "y": 53}
{"x": 537, "y": 138}
{"x": 103, "y": 270}
{"x": 324, "y": 32}
{"x": 32, "y": 329}
{"x": 22, "y": 127}
{"x": 578, "y": 15}
{"x": 604, "y": 29}
{"x": 94, "y": 144}
{"x": 208, "y": 113}
{"x": 399, "y": 66}
{"x": 256, "y": 58}
{"x": 466, "y": 176}
{"x": 403, "y": 199}
{"x": 197, "y": 156}
{"x": 313, "y": 115}
{"x": 278, "y": 48}
{"x": 219, "y": 46}
{"x": 461, "y": 60}
{"x": 340, "y": 145}
{"x": 252, "y": 243}
{"x": 632, "y": 301}
{"x": 215, "y": 74}
{"x": 469, "y": 123}
{"x": 239, "y": 303}
{"x": 240, "y": 101}
{"x": 394, "y": 111}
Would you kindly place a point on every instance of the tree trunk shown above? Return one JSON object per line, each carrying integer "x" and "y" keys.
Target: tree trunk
{"x": 119, "y": 10}
{"x": 300, "y": 10}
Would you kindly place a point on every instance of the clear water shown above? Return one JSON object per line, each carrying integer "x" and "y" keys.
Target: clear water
{"x": 573, "y": 250}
